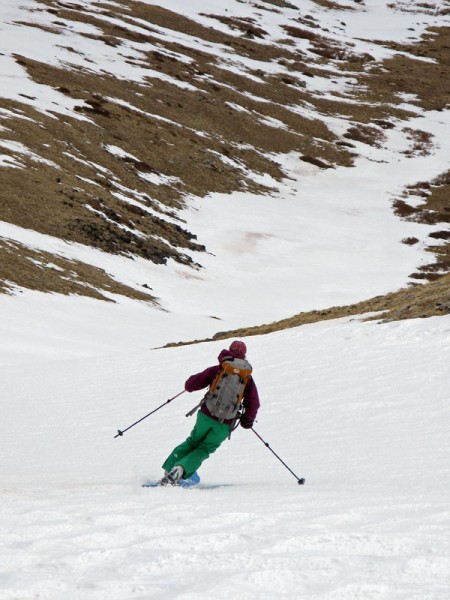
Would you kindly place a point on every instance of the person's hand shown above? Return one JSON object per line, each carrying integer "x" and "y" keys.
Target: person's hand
{"x": 246, "y": 423}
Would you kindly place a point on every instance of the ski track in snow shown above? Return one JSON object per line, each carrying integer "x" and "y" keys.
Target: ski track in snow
{"x": 289, "y": 543}
{"x": 360, "y": 409}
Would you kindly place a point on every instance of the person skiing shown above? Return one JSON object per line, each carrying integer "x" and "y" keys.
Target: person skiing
{"x": 231, "y": 390}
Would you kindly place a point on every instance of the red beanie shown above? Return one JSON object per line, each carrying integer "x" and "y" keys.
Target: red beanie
{"x": 238, "y": 348}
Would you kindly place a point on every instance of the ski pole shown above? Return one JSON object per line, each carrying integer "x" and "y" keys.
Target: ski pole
{"x": 300, "y": 480}
{"x": 120, "y": 433}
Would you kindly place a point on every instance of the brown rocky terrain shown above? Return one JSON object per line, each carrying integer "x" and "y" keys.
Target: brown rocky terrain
{"x": 203, "y": 127}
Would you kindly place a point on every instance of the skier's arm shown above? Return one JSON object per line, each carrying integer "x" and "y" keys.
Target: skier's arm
{"x": 201, "y": 380}
{"x": 251, "y": 405}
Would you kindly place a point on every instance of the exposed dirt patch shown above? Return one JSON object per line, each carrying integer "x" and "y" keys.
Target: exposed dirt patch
{"x": 429, "y": 202}
{"x": 327, "y": 47}
{"x": 247, "y": 26}
{"x": 422, "y": 75}
{"x": 280, "y": 3}
{"x": 421, "y": 142}
{"x": 367, "y": 134}
{"x": 334, "y": 5}
{"x": 45, "y": 272}
{"x": 426, "y": 8}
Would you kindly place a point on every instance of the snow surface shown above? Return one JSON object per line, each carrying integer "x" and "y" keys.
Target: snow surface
{"x": 360, "y": 409}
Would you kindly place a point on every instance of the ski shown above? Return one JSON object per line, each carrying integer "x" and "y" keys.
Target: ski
{"x": 193, "y": 481}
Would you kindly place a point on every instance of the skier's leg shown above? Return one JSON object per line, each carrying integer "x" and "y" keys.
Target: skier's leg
{"x": 195, "y": 437}
{"x": 215, "y": 435}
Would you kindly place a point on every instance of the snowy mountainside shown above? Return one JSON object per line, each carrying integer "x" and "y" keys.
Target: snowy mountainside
{"x": 133, "y": 134}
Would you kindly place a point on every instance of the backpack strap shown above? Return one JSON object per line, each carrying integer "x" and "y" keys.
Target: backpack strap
{"x": 195, "y": 409}
{"x": 218, "y": 377}
{"x": 212, "y": 387}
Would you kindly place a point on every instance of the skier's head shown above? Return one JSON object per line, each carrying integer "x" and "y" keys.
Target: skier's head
{"x": 238, "y": 348}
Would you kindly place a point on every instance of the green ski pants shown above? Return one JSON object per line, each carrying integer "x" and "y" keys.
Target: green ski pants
{"x": 203, "y": 440}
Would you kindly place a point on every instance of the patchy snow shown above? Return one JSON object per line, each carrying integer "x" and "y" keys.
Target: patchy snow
{"x": 319, "y": 239}
{"x": 19, "y": 148}
{"x": 10, "y": 162}
{"x": 159, "y": 178}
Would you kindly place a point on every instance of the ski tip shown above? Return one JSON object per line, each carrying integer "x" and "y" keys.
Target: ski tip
{"x": 194, "y": 480}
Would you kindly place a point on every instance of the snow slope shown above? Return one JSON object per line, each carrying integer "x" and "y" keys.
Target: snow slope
{"x": 359, "y": 409}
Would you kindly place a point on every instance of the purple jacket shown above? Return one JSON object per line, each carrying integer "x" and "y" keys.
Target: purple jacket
{"x": 204, "y": 379}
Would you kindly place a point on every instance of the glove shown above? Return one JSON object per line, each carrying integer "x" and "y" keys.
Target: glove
{"x": 246, "y": 423}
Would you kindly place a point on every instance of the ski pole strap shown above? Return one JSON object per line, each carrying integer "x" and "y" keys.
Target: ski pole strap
{"x": 234, "y": 424}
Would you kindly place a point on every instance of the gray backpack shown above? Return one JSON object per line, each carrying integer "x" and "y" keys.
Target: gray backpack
{"x": 225, "y": 394}
{"x": 224, "y": 397}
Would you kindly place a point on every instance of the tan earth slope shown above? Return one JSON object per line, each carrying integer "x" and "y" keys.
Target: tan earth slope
{"x": 114, "y": 175}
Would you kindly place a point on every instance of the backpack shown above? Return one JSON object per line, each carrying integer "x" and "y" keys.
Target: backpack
{"x": 224, "y": 397}
{"x": 225, "y": 394}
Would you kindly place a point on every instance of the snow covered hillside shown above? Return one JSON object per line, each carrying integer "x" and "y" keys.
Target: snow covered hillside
{"x": 158, "y": 157}
{"x": 171, "y": 171}
{"x": 361, "y": 410}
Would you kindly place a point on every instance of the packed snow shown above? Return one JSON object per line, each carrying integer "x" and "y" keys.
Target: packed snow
{"x": 360, "y": 409}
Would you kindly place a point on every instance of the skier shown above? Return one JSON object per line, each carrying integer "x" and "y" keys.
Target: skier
{"x": 230, "y": 383}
